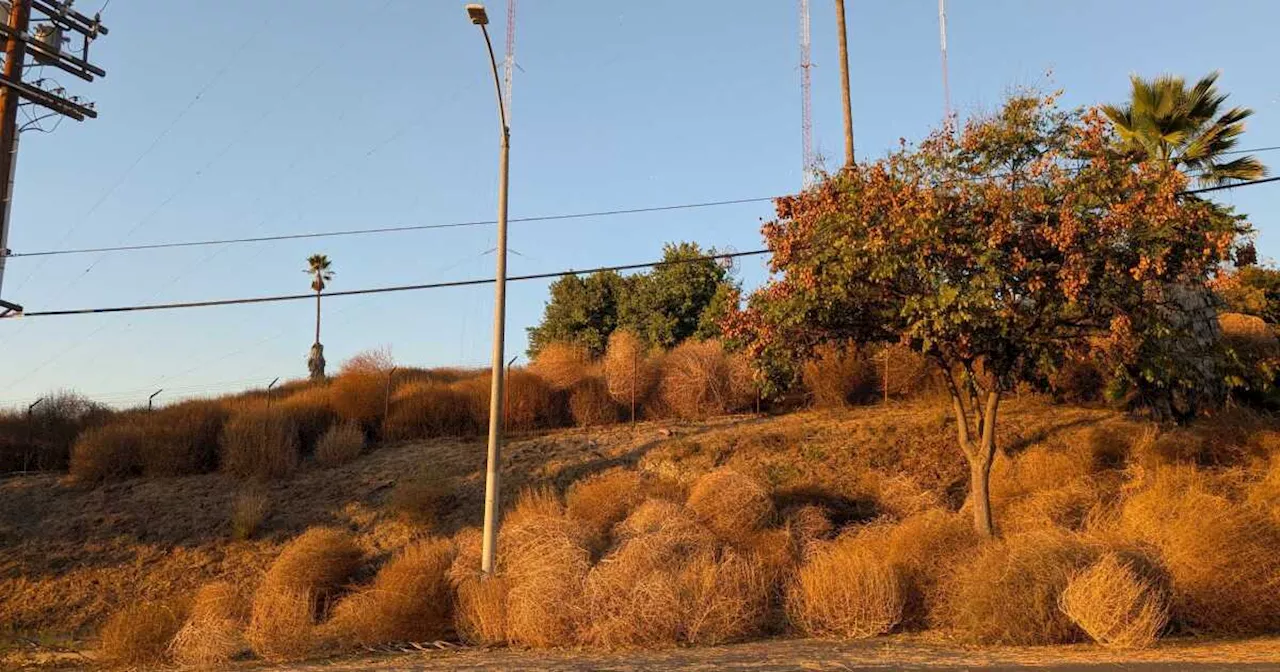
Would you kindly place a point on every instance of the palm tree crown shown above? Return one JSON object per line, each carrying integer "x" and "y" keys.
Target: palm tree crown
{"x": 318, "y": 268}
{"x": 1166, "y": 121}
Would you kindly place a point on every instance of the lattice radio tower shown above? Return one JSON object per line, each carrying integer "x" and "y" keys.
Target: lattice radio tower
{"x": 806, "y": 98}
{"x": 509, "y": 63}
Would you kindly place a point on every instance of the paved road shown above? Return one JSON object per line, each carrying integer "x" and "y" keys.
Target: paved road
{"x": 902, "y": 653}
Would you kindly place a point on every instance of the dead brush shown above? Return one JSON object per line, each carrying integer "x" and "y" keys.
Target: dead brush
{"x": 282, "y": 623}
{"x": 105, "y": 453}
{"x": 838, "y": 375}
{"x": 248, "y": 511}
{"x": 429, "y": 409}
{"x": 530, "y": 403}
{"x": 725, "y": 599}
{"x": 341, "y": 444}
{"x": 410, "y": 600}
{"x": 297, "y": 590}
{"x": 1008, "y": 593}
{"x": 480, "y": 609}
{"x": 732, "y": 504}
{"x": 421, "y": 498}
{"x": 259, "y": 445}
{"x": 561, "y": 365}
{"x": 695, "y": 381}
{"x": 845, "y": 590}
{"x": 310, "y": 410}
{"x": 1220, "y": 554}
{"x": 139, "y": 635}
{"x": 924, "y": 549}
{"x": 590, "y": 403}
{"x": 214, "y": 632}
{"x": 602, "y": 500}
{"x": 1115, "y": 604}
{"x": 629, "y": 372}
{"x": 545, "y": 565}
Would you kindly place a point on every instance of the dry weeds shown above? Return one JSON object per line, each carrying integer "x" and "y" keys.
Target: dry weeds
{"x": 731, "y": 504}
{"x": 260, "y": 445}
{"x": 409, "y": 600}
{"x": 214, "y": 632}
{"x": 1115, "y": 605}
{"x": 248, "y": 511}
{"x": 845, "y": 590}
{"x": 139, "y": 634}
{"x": 343, "y": 443}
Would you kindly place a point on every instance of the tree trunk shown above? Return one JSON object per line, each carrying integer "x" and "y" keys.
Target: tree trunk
{"x": 980, "y": 493}
{"x": 980, "y": 452}
{"x": 317, "y": 317}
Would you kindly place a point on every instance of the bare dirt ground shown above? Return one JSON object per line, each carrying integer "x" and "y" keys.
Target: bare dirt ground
{"x": 903, "y": 652}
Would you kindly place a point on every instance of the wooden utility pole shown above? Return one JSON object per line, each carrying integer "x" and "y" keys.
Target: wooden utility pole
{"x": 844, "y": 84}
{"x": 46, "y": 44}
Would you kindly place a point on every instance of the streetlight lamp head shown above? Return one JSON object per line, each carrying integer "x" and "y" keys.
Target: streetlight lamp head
{"x": 477, "y": 14}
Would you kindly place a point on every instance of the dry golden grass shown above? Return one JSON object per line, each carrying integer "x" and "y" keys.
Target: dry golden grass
{"x": 924, "y": 549}
{"x": 105, "y": 453}
{"x": 1067, "y": 508}
{"x": 724, "y": 599}
{"x": 808, "y": 524}
{"x": 1008, "y": 593}
{"x": 733, "y": 505}
{"x": 480, "y": 602}
{"x": 343, "y": 443}
{"x": 419, "y": 498}
{"x": 844, "y": 589}
{"x": 629, "y": 372}
{"x": 248, "y": 510}
{"x": 297, "y": 590}
{"x": 319, "y": 561}
{"x": 673, "y": 521}
{"x": 1115, "y": 604}
{"x": 561, "y": 365}
{"x": 282, "y": 623}
{"x": 602, "y": 500}
{"x": 545, "y": 558}
{"x": 310, "y": 410}
{"x": 139, "y": 635}
{"x": 360, "y": 396}
{"x": 427, "y": 409}
{"x": 1220, "y": 554}
{"x": 590, "y": 403}
{"x": 260, "y": 445}
{"x": 181, "y": 439}
{"x": 695, "y": 381}
{"x": 839, "y": 375}
{"x": 530, "y": 402}
{"x": 214, "y": 632}
{"x": 410, "y": 599}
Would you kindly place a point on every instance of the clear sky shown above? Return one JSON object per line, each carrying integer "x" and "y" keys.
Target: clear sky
{"x": 243, "y": 117}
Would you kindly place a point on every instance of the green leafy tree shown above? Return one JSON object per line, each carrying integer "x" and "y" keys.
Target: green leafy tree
{"x": 664, "y": 307}
{"x": 1186, "y": 128}
{"x": 997, "y": 253}
{"x": 582, "y": 310}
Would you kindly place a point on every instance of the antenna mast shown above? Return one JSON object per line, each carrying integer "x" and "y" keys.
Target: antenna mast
{"x": 509, "y": 63}
{"x": 942, "y": 35}
{"x": 806, "y": 96}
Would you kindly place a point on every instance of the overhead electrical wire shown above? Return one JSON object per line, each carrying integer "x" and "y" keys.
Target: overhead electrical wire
{"x": 389, "y": 229}
{"x": 308, "y": 296}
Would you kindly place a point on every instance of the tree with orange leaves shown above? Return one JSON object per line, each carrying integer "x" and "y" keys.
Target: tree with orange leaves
{"x": 997, "y": 251}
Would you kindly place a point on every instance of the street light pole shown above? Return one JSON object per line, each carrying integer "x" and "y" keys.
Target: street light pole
{"x": 491, "y": 482}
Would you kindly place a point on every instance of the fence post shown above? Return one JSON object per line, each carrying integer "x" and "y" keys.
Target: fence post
{"x": 635, "y": 372}
{"x": 152, "y": 398}
{"x": 386, "y": 402}
{"x": 270, "y": 394}
{"x": 31, "y": 435}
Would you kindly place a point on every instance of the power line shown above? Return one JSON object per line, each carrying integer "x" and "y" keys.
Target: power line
{"x": 1221, "y": 187}
{"x": 389, "y": 229}
{"x": 380, "y": 290}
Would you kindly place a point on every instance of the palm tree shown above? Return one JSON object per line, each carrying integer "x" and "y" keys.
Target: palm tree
{"x": 1164, "y": 120}
{"x": 318, "y": 269}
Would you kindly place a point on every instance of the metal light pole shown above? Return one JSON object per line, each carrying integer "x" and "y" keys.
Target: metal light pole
{"x": 491, "y": 485}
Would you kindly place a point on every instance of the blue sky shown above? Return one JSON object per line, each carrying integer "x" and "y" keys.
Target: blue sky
{"x": 241, "y": 117}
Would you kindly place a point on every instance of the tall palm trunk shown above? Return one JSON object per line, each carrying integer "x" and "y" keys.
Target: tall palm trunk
{"x": 317, "y": 317}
